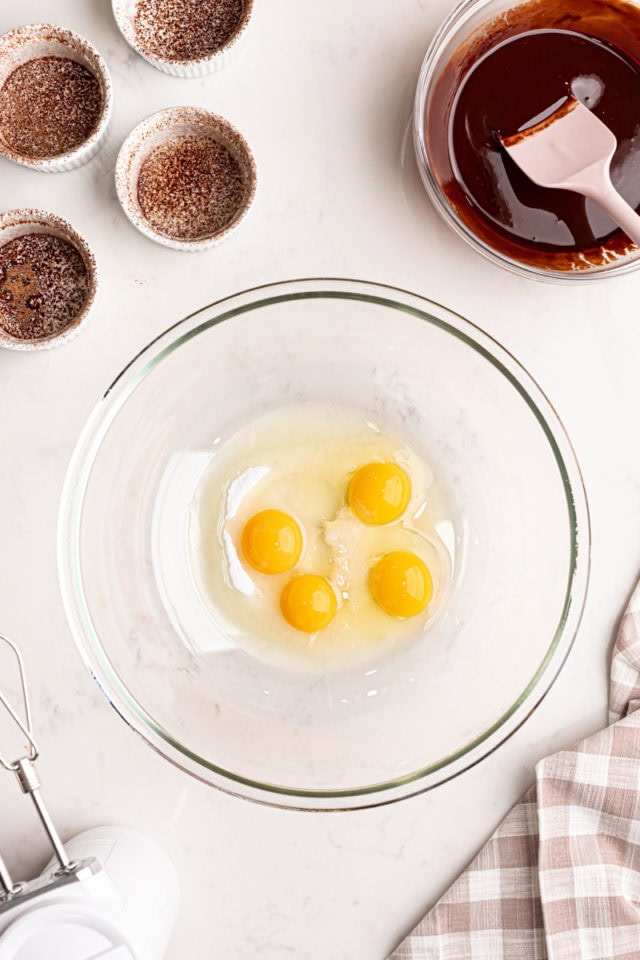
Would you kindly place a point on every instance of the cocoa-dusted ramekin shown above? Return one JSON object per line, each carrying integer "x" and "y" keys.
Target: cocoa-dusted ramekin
{"x": 164, "y": 126}
{"x": 34, "y": 41}
{"x": 124, "y": 12}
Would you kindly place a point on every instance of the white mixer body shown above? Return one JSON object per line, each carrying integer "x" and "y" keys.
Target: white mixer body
{"x": 123, "y": 907}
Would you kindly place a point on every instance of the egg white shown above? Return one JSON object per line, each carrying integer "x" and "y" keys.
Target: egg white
{"x": 300, "y": 460}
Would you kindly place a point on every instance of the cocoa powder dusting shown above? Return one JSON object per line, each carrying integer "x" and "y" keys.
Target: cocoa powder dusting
{"x": 43, "y": 286}
{"x": 49, "y": 106}
{"x": 190, "y": 187}
{"x": 186, "y": 29}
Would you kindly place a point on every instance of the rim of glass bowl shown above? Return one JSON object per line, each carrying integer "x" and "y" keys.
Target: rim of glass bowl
{"x": 96, "y": 659}
{"x": 429, "y": 73}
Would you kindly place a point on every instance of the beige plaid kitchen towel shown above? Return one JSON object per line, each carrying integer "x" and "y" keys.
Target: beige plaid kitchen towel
{"x": 560, "y": 877}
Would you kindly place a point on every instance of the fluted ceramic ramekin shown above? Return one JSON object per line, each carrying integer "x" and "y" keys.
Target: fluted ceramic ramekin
{"x": 167, "y": 125}
{"x": 46, "y": 40}
{"x": 18, "y": 223}
{"x": 124, "y": 12}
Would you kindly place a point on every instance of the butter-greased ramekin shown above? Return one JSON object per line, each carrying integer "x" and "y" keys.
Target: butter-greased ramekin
{"x": 17, "y": 223}
{"x": 47, "y": 40}
{"x": 124, "y": 12}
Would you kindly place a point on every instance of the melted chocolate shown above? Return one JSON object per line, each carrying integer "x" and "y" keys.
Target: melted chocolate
{"x": 496, "y": 84}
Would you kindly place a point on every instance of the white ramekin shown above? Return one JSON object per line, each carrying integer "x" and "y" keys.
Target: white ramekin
{"x": 46, "y": 40}
{"x": 124, "y": 13}
{"x": 163, "y": 126}
{"x": 16, "y": 223}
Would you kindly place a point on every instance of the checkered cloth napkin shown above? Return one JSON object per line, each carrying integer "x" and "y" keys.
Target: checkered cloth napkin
{"x": 560, "y": 877}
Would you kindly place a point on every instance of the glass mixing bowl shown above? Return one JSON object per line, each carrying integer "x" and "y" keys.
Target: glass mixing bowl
{"x": 399, "y": 723}
{"x": 468, "y": 22}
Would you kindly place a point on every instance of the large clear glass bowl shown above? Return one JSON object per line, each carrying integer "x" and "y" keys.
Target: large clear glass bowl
{"x": 400, "y": 723}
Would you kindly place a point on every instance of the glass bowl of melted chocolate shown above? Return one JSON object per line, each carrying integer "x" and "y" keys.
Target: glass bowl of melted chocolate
{"x": 491, "y": 70}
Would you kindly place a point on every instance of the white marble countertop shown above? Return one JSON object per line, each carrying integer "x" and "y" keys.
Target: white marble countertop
{"x": 323, "y": 93}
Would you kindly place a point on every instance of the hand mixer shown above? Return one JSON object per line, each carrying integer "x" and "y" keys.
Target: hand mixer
{"x": 110, "y": 893}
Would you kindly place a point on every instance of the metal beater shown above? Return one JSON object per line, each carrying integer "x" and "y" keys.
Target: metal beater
{"x": 25, "y": 771}
{"x": 116, "y": 897}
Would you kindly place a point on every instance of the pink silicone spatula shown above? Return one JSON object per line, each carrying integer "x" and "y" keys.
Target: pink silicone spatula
{"x": 571, "y": 149}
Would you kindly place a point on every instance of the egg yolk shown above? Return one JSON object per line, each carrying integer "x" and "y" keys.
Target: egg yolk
{"x": 272, "y": 542}
{"x": 379, "y": 493}
{"x": 401, "y": 584}
{"x": 308, "y": 603}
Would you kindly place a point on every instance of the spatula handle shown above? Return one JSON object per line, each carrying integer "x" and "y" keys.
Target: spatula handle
{"x": 617, "y": 208}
